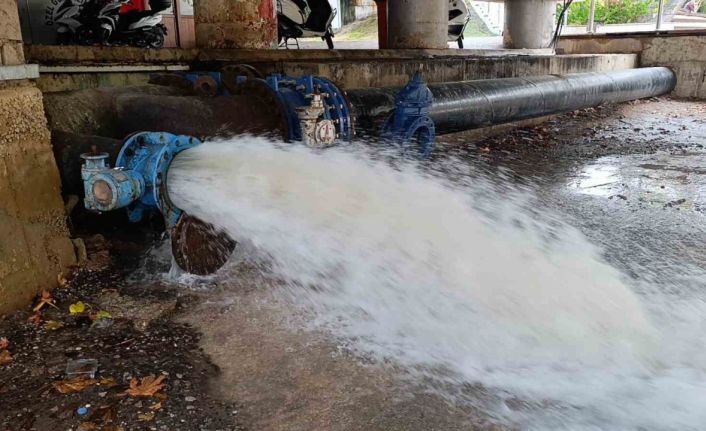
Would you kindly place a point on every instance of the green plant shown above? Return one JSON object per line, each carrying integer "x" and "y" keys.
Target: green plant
{"x": 611, "y": 11}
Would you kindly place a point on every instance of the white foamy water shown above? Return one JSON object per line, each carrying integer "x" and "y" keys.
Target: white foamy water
{"x": 465, "y": 282}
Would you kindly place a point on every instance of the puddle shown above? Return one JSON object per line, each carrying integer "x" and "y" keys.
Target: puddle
{"x": 659, "y": 179}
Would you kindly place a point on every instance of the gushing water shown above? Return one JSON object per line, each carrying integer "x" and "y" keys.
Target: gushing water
{"x": 465, "y": 281}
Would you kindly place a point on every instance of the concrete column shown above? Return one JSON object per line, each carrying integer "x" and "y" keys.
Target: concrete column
{"x": 529, "y": 23}
{"x": 417, "y": 24}
{"x": 591, "y": 26}
{"x": 243, "y": 24}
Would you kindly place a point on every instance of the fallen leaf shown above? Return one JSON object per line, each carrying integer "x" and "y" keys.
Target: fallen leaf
{"x": 77, "y": 308}
{"x": 45, "y": 299}
{"x": 148, "y": 387}
{"x": 61, "y": 280}
{"x": 74, "y": 385}
{"x": 110, "y": 414}
{"x": 53, "y": 325}
{"x": 101, "y": 315}
{"x": 113, "y": 428}
{"x": 145, "y": 417}
{"x": 4, "y": 343}
{"x": 108, "y": 382}
{"x": 87, "y": 426}
{"x": 36, "y": 318}
{"x": 157, "y": 406}
{"x": 5, "y": 357}
{"x": 105, "y": 413}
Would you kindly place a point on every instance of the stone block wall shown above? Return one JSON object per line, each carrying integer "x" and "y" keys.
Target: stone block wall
{"x": 11, "y": 52}
{"x": 34, "y": 240}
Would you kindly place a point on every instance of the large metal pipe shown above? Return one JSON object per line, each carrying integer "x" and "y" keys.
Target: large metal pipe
{"x": 197, "y": 116}
{"x": 466, "y": 105}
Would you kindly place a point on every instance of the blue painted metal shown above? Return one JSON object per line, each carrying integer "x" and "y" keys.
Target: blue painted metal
{"x": 106, "y": 188}
{"x": 410, "y": 126}
{"x": 293, "y": 93}
{"x": 217, "y": 76}
{"x": 136, "y": 181}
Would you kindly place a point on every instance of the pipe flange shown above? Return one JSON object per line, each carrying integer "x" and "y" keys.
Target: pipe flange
{"x": 206, "y": 86}
{"x": 150, "y": 154}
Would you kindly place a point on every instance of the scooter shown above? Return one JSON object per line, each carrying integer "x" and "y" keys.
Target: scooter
{"x": 96, "y": 21}
{"x": 142, "y": 28}
{"x": 458, "y": 20}
{"x": 304, "y": 18}
{"x": 65, "y": 16}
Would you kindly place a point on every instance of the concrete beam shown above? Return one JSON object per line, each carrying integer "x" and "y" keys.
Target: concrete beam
{"x": 123, "y": 68}
{"x": 20, "y": 71}
{"x": 417, "y": 24}
{"x": 529, "y": 24}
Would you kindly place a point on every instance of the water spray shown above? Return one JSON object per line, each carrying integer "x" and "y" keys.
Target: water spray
{"x": 315, "y": 111}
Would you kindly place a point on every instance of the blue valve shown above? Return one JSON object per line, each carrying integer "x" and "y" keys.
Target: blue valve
{"x": 410, "y": 126}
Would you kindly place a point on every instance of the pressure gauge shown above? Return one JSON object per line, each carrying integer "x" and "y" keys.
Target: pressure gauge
{"x": 325, "y": 132}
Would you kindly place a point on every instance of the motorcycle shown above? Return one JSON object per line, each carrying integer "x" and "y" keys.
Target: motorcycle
{"x": 65, "y": 16}
{"x": 304, "y": 18}
{"x": 101, "y": 22}
{"x": 458, "y": 20}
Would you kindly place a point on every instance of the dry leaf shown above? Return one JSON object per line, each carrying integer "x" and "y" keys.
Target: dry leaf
{"x": 87, "y": 426}
{"x": 108, "y": 382}
{"x": 106, "y": 413}
{"x": 36, "y": 318}
{"x": 61, "y": 280}
{"x": 109, "y": 414}
{"x": 53, "y": 325}
{"x": 74, "y": 385}
{"x": 5, "y": 357}
{"x": 113, "y": 428}
{"x": 148, "y": 387}
{"x": 145, "y": 417}
{"x": 101, "y": 315}
{"x": 4, "y": 343}
{"x": 77, "y": 308}
{"x": 45, "y": 299}
{"x": 156, "y": 407}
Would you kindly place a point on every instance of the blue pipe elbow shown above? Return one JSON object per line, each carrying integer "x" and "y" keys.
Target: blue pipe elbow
{"x": 137, "y": 181}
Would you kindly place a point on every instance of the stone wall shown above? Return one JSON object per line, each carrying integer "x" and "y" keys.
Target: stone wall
{"x": 34, "y": 241}
{"x": 10, "y": 34}
{"x": 684, "y": 52}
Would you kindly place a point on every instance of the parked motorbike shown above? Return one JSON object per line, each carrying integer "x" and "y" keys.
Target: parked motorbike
{"x": 98, "y": 21}
{"x": 304, "y": 18}
{"x": 65, "y": 16}
{"x": 458, "y": 20}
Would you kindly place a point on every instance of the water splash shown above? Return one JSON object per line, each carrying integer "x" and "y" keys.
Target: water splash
{"x": 466, "y": 281}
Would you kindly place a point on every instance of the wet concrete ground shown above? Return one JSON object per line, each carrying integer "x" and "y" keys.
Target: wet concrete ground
{"x": 630, "y": 175}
